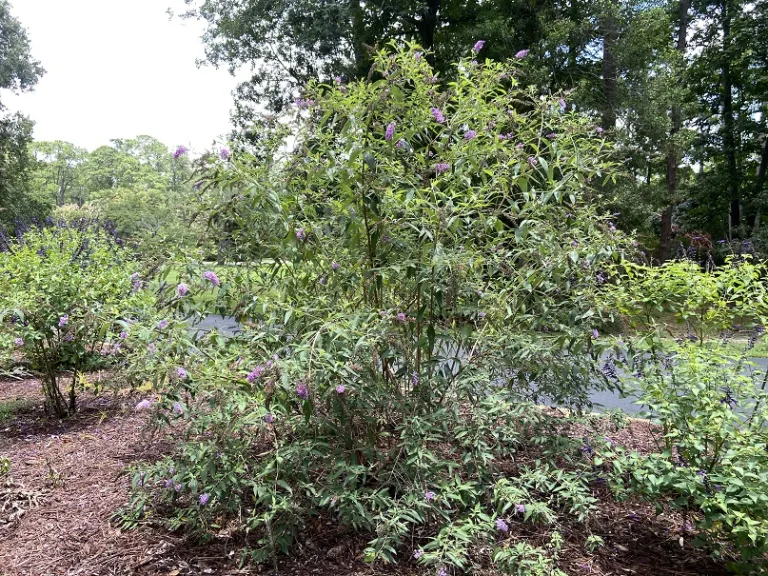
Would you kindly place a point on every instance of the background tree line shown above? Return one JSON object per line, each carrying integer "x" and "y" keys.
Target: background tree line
{"x": 680, "y": 86}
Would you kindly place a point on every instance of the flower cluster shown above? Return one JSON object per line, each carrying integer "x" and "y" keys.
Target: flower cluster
{"x": 211, "y": 277}
{"x": 390, "y": 132}
{"x": 255, "y": 374}
{"x": 439, "y": 118}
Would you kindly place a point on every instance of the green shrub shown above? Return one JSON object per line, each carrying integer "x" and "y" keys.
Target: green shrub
{"x": 63, "y": 290}
{"x": 706, "y": 302}
{"x": 431, "y": 259}
{"x": 713, "y": 459}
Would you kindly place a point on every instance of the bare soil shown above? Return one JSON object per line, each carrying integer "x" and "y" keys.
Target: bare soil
{"x": 66, "y": 482}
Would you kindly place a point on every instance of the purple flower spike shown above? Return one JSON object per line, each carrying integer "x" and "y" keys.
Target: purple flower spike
{"x": 143, "y": 405}
{"x": 177, "y": 487}
{"x": 302, "y": 391}
{"x": 340, "y": 389}
{"x": 169, "y": 483}
{"x": 532, "y": 161}
{"x": 599, "y": 130}
{"x": 563, "y": 104}
{"x": 522, "y": 54}
{"x": 439, "y": 118}
{"x": 179, "y": 152}
{"x": 469, "y": 134}
{"x": 204, "y": 499}
{"x": 418, "y": 553}
{"x": 335, "y": 265}
{"x": 177, "y": 409}
{"x": 595, "y": 334}
{"x": 64, "y": 320}
{"x": 429, "y": 495}
{"x": 224, "y": 153}
{"x": 182, "y": 290}
{"x": 501, "y": 525}
{"x": 300, "y": 235}
{"x": 520, "y": 508}
{"x": 401, "y": 317}
{"x": 181, "y": 373}
{"x": 478, "y": 45}
{"x": 211, "y": 277}
{"x": 19, "y": 342}
{"x": 269, "y": 418}
{"x": 123, "y": 335}
{"x": 255, "y": 374}
{"x": 198, "y": 184}
{"x": 163, "y": 324}
{"x": 442, "y": 167}
{"x": 390, "y": 131}
{"x": 442, "y": 572}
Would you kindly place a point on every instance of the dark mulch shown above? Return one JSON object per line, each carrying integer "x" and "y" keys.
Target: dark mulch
{"x": 66, "y": 480}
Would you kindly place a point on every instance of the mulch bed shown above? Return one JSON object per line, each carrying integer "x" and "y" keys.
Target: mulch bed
{"x": 66, "y": 482}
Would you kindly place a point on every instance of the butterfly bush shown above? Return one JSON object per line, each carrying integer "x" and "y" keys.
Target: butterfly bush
{"x": 454, "y": 286}
{"x": 64, "y": 291}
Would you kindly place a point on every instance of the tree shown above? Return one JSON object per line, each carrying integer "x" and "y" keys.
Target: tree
{"x": 673, "y": 147}
{"x": 18, "y": 72}
{"x": 59, "y": 171}
{"x": 286, "y": 44}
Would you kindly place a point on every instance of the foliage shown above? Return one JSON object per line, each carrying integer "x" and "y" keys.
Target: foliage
{"x": 287, "y": 46}
{"x": 137, "y": 184}
{"x": 712, "y": 461}
{"x": 62, "y": 292}
{"x": 18, "y": 72}
{"x": 705, "y": 302}
{"x": 427, "y": 256}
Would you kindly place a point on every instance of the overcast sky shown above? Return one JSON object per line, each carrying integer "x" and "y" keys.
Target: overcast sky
{"x": 117, "y": 69}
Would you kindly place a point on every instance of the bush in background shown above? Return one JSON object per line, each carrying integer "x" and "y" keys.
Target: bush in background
{"x": 63, "y": 291}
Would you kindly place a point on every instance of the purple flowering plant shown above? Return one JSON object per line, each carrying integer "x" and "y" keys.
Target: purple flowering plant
{"x": 372, "y": 363}
{"x": 72, "y": 325}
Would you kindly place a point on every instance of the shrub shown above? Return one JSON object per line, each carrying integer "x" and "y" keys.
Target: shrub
{"x": 63, "y": 290}
{"x": 706, "y": 302}
{"x": 713, "y": 458}
{"x": 431, "y": 258}
{"x": 712, "y": 462}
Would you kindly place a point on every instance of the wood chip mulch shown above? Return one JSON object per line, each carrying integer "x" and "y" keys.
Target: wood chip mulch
{"x": 66, "y": 482}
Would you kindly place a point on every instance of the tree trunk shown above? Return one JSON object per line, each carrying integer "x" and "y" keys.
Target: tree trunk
{"x": 673, "y": 152}
{"x": 427, "y": 27}
{"x": 762, "y": 171}
{"x": 729, "y": 136}
{"x": 610, "y": 36}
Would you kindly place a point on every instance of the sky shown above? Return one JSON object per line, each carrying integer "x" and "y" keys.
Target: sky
{"x": 118, "y": 69}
